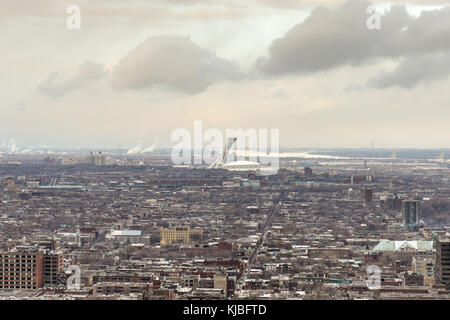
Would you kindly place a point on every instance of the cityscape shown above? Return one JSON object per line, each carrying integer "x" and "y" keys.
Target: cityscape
{"x": 115, "y": 226}
{"x": 224, "y": 159}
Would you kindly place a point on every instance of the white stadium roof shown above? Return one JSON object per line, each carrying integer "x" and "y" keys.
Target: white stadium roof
{"x": 242, "y": 165}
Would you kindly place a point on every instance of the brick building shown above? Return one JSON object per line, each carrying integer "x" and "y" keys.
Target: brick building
{"x": 21, "y": 269}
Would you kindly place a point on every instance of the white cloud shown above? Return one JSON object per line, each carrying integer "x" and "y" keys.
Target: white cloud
{"x": 173, "y": 62}
{"x": 56, "y": 85}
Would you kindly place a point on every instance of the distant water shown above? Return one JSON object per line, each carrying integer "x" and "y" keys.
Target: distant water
{"x": 375, "y": 153}
{"x": 311, "y": 153}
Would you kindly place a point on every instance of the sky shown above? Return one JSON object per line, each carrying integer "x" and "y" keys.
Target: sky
{"x": 137, "y": 70}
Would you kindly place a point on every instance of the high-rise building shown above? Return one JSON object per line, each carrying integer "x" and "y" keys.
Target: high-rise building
{"x": 368, "y": 194}
{"x": 411, "y": 213}
{"x": 100, "y": 160}
{"x": 96, "y": 159}
{"x": 53, "y": 266}
{"x": 308, "y": 172}
{"x": 21, "y": 269}
{"x": 442, "y": 265}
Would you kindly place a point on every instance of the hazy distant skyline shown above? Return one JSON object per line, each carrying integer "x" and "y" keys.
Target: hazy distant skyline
{"x": 137, "y": 70}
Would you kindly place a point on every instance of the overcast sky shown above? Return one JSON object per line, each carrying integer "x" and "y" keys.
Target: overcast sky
{"x": 139, "y": 69}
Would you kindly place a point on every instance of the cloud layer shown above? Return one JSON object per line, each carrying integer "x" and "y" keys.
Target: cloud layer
{"x": 327, "y": 39}
{"x": 414, "y": 70}
{"x": 56, "y": 85}
{"x": 172, "y": 62}
{"x": 331, "y": 38}
{"x": 326, "y": 81}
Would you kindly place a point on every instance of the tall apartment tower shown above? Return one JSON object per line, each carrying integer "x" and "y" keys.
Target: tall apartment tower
{"x": 411, "y": 212}
{"x": 21, "y": 269}
{"x": 308, "y": 172}
{"x": 53, "y": 266}
{"x": 368, "y": 194}
{"x": 442, "y": 265}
